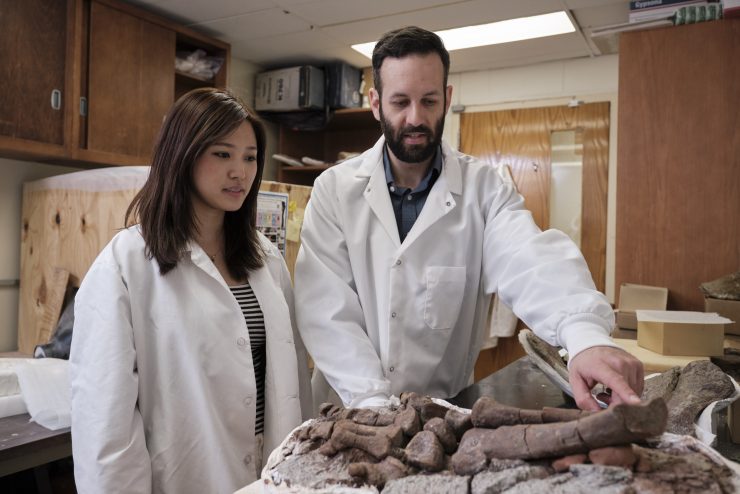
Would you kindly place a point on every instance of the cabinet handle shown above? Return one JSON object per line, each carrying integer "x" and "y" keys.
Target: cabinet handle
{"x": 535, "y": 166}
{"x": 83, "y": 106}
{"x": 56, "y": 99}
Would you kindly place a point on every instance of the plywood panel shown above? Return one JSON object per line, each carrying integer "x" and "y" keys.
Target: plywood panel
{"x": 50, "y": 298}
{"x": 521, "y": 139}
{"x": 67, "y": 228}
{"x": 678, "y": 174}
{"x": 61, "y": 229}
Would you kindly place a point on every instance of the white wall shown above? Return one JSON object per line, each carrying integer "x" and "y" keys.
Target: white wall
{"x": 548, "y": 84}
{"x": 241, "y": 81}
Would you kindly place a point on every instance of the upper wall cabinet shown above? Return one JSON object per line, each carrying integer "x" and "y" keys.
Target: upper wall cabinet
{"x": 90, "y": 81}
{"x": 131, "y": 81}
{"x": 33, "y": 40}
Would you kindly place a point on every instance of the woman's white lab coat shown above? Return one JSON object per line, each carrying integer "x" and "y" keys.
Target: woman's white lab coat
{"x": 380, "y": 317}
{"x": 163, "y": 386}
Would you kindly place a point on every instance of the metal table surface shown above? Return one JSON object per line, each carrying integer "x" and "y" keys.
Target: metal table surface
{"x": 520, "y": 384}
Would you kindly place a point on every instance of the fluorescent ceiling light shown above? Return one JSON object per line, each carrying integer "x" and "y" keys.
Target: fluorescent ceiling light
{"x": 536, "y": 26}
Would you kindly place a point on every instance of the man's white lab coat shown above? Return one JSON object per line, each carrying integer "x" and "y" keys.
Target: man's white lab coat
{"x": 163, "y": 386}
{"x": 380, "y": 317}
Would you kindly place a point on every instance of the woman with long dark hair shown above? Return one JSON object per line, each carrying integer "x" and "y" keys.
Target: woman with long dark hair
{"x": 186, "y": 366}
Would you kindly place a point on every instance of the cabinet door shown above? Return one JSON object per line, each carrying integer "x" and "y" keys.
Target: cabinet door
{"x": 33, "y": 47}
{"x": 131, "y": 81}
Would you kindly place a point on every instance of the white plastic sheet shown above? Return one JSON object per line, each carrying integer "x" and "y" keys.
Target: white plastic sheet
{"x": 45, "y": 387}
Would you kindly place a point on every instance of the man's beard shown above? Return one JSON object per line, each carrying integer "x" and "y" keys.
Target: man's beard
{"x": 416, "y": 153}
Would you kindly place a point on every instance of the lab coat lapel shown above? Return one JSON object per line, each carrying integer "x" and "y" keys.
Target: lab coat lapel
{"x": 376, "y": 192}
{"x": 199, "y": 257}
{"x": 440, "y": 200}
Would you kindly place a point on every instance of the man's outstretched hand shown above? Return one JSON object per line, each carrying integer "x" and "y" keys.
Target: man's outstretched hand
{"x": 612, "y": 367}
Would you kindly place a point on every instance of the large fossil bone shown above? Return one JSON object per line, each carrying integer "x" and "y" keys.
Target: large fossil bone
{"x": 621, "y": 424}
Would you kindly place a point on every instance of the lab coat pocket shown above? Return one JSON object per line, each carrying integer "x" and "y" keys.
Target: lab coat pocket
{"x": 445, "y": 290}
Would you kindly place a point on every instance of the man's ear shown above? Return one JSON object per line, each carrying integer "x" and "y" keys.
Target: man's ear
{"x": 375, "y": 103}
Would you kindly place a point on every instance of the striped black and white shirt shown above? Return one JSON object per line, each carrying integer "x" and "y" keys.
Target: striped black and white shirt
{"x": 258, "y": 341}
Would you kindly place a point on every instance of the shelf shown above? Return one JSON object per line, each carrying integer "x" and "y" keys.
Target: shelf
{"x": 350, "y": 130}
{"x": 352, "y": 118}
{"x": 184, "y": 76}
{"x": 304, "y": 169}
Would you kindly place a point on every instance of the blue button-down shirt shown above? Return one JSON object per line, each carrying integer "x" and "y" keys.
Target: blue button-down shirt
{"x": 407, "y": 203}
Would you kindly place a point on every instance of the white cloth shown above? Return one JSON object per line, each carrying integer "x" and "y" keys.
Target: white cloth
{"x": 163, "y": 388}
{"x": 380, "y": 317}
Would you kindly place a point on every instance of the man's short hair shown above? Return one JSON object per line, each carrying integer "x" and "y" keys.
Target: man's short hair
{"x": 406, "y": 41}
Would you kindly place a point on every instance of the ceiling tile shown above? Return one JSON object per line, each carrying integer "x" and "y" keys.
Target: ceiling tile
{"x": 330, "y": 12}
{"x": 275, "y": 33}
{"x": 448, "y": 16}
{"x": 526, "y": 52}
{"x": 614, "y": 13}
{"x": 264, "y": 23}
{"x": 190, "y": 11}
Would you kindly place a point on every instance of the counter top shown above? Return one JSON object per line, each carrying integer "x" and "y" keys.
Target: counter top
{"x": 25, "y": 444}
{"x": 520, "y": 384}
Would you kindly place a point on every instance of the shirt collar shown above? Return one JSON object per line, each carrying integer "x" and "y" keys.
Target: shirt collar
{"x": 434, "y": 170}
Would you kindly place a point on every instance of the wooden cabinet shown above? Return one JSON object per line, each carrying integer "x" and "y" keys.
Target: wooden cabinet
{"x": 678, "y": 173}
{"x": 131, "y": 81}
{"x": 114, "y": 67}
{"x": 350, "y": 130}
{"x": 32, "y": 70}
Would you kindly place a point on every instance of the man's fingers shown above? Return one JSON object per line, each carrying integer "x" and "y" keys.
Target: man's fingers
{"x": 639, "y": 380}
{"x": 582, "y": 394}
{"x": 621, "y": 389}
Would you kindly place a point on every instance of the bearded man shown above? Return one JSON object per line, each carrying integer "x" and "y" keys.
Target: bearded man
{"x": 403, "y": 246}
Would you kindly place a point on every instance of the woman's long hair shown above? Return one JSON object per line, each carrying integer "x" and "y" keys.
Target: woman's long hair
{"x": 164, "y": 206}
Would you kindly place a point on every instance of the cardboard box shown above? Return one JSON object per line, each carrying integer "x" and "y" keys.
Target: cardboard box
{"x": 636, "y": 297}
{"x": 624, "y": 334}
{"x": 292, "y": 89}
{"x": 725, "y": 308}
{"x": 681, "y": 332}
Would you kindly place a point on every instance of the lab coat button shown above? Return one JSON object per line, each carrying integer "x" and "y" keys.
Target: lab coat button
{"x": 393, "y": 314}
{"x": 241, "y": 342}
{"x": 449, "y": 203}
{"x": 247, "y": 401}
{"x": 392, "y": 369}
{"x": 248, "y": 459}
{"x": 398, "y": 262}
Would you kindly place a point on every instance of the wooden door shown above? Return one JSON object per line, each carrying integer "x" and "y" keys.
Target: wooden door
{"x": 678, "y": 179}
{"x": 131, "y": 81}
{"x": 521, "y": 139}
{"x": 32, "y": 65}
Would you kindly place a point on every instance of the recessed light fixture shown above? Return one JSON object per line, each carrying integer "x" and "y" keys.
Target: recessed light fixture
{"x": 536, "y": 26}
